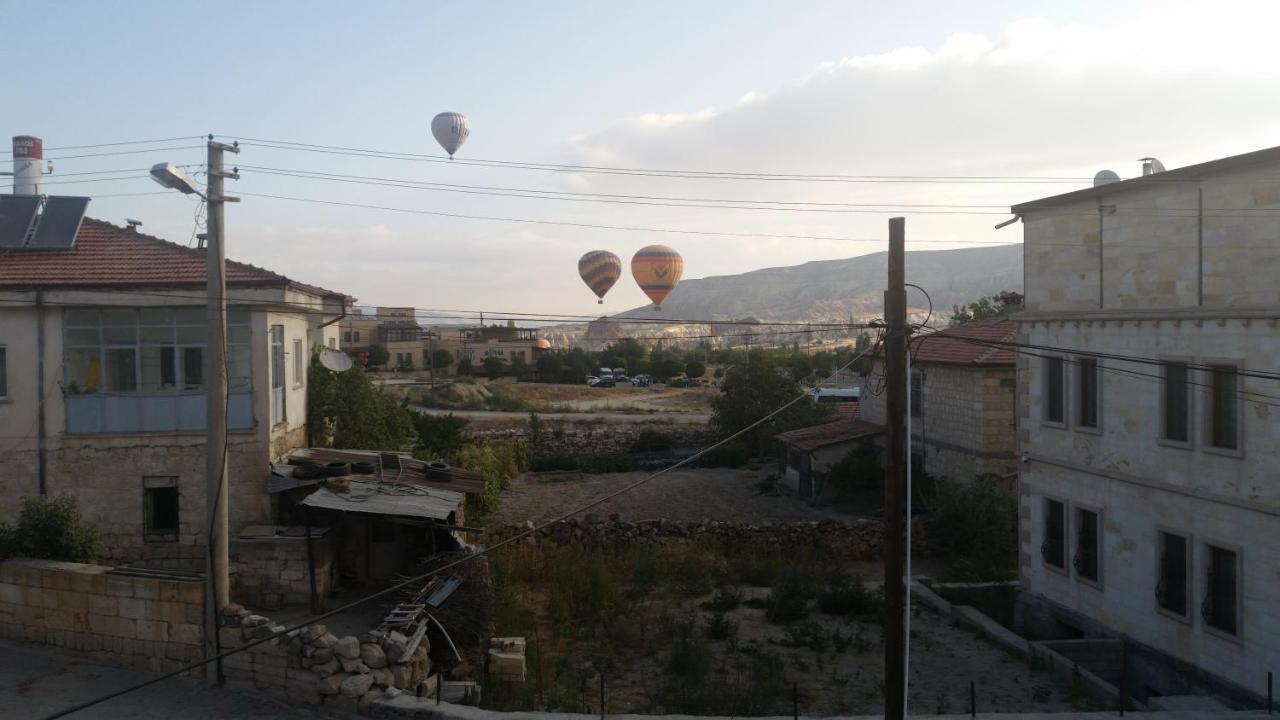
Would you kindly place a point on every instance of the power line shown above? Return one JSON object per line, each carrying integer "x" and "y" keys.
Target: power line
{"x": 116, "y": 144}
{"x": 464, "y": 560}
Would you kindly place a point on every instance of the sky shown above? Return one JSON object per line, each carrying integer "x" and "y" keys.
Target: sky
{"x": 1013, "y": 90}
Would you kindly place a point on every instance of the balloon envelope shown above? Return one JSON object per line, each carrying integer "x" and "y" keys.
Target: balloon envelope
{"x": 600, "y": 269}
{"x": 657, "y": 269}
{"x": 450, "y": 129}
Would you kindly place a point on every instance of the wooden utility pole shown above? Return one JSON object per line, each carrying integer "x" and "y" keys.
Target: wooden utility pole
{"x": 895, "y": 317}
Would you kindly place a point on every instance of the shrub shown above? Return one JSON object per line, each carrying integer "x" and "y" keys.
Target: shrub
{"x": 729, "y": 455}
{"x": 652, "y": 440}
{"x": 499, "y": 461}
{"x": 722, "y": 628}
{"x": 789, "y": 600}
{"x": 726, "y": 599}
{"x": 846, "y": 595}
{"x": 976, "y": 528}
{"x": 543, "y": 463}
{"x": 52, "y": 529}
{"x": 607, "y": 463}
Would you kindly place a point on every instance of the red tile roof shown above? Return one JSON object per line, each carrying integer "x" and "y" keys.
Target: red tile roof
{"x": 109, "y": 256}
{"x": 832, "y": 433}
{"x": 848, "y": 410}
{"x": 946, "y": 348}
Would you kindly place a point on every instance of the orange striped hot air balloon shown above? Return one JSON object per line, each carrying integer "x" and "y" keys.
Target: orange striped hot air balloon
{"x": 657, "y": 269}
{"x": 600, "y": 269}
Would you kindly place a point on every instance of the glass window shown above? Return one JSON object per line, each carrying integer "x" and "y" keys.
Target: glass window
{"x": 83, "y": 367}
{"x": 160, "y": 508}
{"x": 298, "y": 366}
{"x": 1224, "y": 411}
{"x": 1088, "y": 545}
{"x": 1172, "y": 587}
{"x": 1053, "y": 546}
{"x": 1087, "y": 390}
{"x": 121, "y": 369}
{"x": 192, "y": 368}
{"x": 1220, "y": 609}
{"x": 1053, "y": 390}
{"x": 238, "y": 373}
{"x": 277, "y": 374}
{"x": 1176, "y": 402}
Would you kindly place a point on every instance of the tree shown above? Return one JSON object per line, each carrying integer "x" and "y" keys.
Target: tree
{"x": 439, "y": 436}
{"x": 1002, "y": 303}
{"x": 493, "y": 367}
{"x": 753, "y": 389}
{"x": 519, "y": 367}
{"x": 625, "y": 352}
{"x": 345, "y": 410}
{"x": 549, "y": 367}
{"x": 464, "y": 366}
{"x": 695, "y": 369}
{"x": 378, "y": 356}
{"x": 441, "y": 359}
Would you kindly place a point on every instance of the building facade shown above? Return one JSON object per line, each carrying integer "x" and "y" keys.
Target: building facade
{"x": 1149, "y": 500}
{"x": 105, "y": 364}
{"x": 963, "y": 392}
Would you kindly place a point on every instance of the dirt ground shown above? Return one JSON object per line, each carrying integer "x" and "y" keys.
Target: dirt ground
{"x": 685, "y": 495}
{"x": 546, "y": 397}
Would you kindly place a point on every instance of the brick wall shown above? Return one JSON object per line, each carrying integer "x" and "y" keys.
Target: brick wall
{"x": 140, "y": 622}
{"x": 967, "y": 426}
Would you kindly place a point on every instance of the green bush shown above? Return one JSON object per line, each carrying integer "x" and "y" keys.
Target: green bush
{"x": 730, "y": 455}
{"x": 543, "y": 463}
{"x": 498, "y": 461}
{"x": 607, "y": 463}
{"x": 789, "y": 600}
{"x": 846, "y": 595}
{"x": 651, "y": 440}
{"x": 975, "y": 527}
{"x": 52, "y": 529}
{"x": 722, "y": 628}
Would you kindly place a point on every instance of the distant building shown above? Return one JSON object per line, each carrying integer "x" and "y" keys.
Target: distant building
{"x": 1150, "y": 506}
{"x": 394, "y": 328}
{"x": 809, "y": 454}
{"x": 512, "y": 345}
{"x": 963, "y": 392}
{"x": 103, "y": 372}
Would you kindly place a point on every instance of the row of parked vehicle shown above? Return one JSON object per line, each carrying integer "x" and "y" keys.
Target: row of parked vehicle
{"x": 611, "y": 377}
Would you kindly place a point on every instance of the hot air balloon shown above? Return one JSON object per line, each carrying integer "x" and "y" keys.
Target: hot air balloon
{"x": 657, "y": 269}
{"x": 600, "y": 269}
{"x": 450, "y": 129}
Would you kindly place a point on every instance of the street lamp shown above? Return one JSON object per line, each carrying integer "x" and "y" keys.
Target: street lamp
{"x": 218, "y": 574}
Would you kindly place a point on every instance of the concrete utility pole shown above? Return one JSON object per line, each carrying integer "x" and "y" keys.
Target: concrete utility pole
{"x": 895, "y": 589}
{"x": 219, "y": 580}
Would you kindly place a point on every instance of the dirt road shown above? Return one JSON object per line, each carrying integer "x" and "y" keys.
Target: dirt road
{"x": 571, "y": 416}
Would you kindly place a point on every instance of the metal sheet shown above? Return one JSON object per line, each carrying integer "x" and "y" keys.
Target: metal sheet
{"x": 59, "y": 222}
{"x": 443, "y": 592}
{"x": 380, "y": 499}
{"x": 17, "y": 213}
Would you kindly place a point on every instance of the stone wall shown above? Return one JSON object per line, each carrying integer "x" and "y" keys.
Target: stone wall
{"x": 967, "y": 425}
{"x": 140, "y": 622}
{"x": 270, "y": 573}
{"x": 563, "y": 438}
{"x": 858, "y": 538}
{"x": 316, "y": 667}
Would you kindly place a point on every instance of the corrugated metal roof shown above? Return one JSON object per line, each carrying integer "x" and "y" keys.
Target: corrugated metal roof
{"x": 382, "y": 499}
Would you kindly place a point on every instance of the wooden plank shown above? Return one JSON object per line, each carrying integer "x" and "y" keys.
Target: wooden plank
{"x": 416, "y": 639}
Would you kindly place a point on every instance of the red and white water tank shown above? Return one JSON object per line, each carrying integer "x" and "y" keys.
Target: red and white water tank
{"x": 28, "y": 165}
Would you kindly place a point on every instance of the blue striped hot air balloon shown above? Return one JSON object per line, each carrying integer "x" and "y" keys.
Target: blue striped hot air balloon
{"x": 600, "y": 269}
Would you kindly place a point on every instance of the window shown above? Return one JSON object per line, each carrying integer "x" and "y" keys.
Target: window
{"x": 277, "y": 374}
{"x": 346, "y": 337}
{"x": 4, "y": 373}
{"x": 1087, "y": 392}
{"x": 160, "y": 508}
{"x": 333, "y": 343}
{"x": 1172, "y": 588}
{"x": 1224, "y": 407}
{"x": 1087, "y": 560}
{"x": 1175, "y": 403}
{"x": 298, "y": 367}
{"x": 793, "y": 459}
{"x": 1054, "y": 390}
{"x": 1221, "y": 606}
{"x": 1054, "y": 547}
{"x": 917, "y": 394}
{"x": 357, "y": 335}
{"x": 147, "y": 350}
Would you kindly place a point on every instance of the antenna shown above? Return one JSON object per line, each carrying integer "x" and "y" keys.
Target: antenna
{"x": 1151, "y": 166}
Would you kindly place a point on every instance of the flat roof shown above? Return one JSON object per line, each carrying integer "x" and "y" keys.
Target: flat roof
{"x": 372, "y": 498}
{"x": 1190, "y": 173}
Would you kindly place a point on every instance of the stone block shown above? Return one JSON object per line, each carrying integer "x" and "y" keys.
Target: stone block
{"x": 187, "y": 634}
{"x": 146, "y": 588}
{"x": 132, "y": 608}
{"x": 373, "y": 655}
{"x": 103, "y": 605}
{"x": 355, "y": 685}
{"x": 347, "y": 647}
{"x": 119, "y": 627}
{"x": 152, "y": 630}
{"x": 326, "y": 669}
{"x": 229, "y": 638}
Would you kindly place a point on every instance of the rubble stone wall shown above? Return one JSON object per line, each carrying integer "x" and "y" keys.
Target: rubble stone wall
{"x": 146, "y": 623}
{"x": 563, "y": 438}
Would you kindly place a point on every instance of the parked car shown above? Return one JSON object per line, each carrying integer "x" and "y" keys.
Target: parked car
{"x": 592, "y": 380}
{"x": 605, "y": 382}
{"x": 620, "y": 375}
{"x": 641, "y": 380}
{"x": 678, "y": 381}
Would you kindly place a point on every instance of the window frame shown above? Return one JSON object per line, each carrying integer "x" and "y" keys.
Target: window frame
{"x": 1046, "y": 392}
{"x": 4, "y": 373}
{"x": 1189, "y": 576}
{"x": 1099, "y": 538}
{"x": 1206, "y": 546}
{"x": 1077, "y": 409}
{"x": 299, "y": 367}
{"x": 1208, "y": 409}
{"x": 151, "y": 483}
{"x": 1065, "y": 538}
{"x": 1161, "y": 427}
{"x": 275, "y": 339}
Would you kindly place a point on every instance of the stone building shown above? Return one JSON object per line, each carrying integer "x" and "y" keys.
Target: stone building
{"x": 394, "y": 328}
{"x": 1149, "y": 501}
{"x": 102, "y": 351}
{"x": 808, "y": 454}
{"x": 962, "y": 400}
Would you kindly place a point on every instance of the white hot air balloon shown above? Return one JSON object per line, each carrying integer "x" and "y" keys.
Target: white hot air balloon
{"x": 450, "y": 129}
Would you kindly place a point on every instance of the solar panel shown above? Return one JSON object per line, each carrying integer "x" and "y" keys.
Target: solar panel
{"x": 17, "y": 212}
{"x": 59, "y": 222}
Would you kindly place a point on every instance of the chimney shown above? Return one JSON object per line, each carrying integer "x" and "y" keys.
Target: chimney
{"x": 28, "y": 159}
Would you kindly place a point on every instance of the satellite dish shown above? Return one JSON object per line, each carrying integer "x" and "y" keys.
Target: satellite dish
{"x": 1105, "y": 177}
{"x": 1151, "y": 166}
{"x": 450, "y": 129}
{"x": 335, "y": 360}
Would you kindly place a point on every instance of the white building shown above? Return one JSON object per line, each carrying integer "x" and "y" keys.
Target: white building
{"x": 102, "y": 385}
{"x": 1150, "y": 499}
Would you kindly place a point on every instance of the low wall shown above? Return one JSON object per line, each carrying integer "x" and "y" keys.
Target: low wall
{"x": 272, "y": 572}
{"x": 315, "y": 667}
{"x": 857, "y": 538}
{"x": 139, "y": 622}
{"x": 578, "y": 438}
